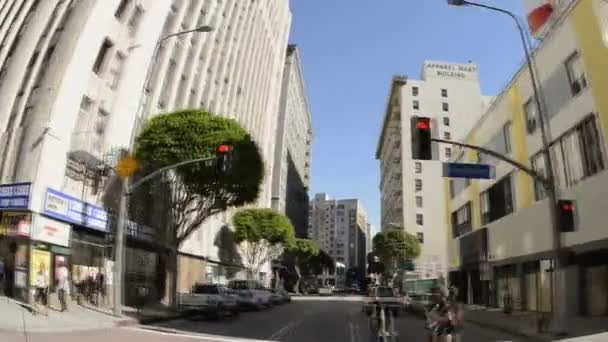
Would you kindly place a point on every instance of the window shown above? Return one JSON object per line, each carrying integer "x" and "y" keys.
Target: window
{"x": 420, "y": 237}
{"x": 122, "y": 7}
{"x": 446, "y": 121}
{"x": 135, "y": 19}
{"x": 444, "y": 93}
{"x": 461, "y": 220}
{"x": 419, "y": 202}
{"x": 576, "y": 73}
{"x": 418, "y": 184}
{"x": 497, "y": 201}
{"x": 531, "y": 113}
{"x": 448, "y": 152}
{"x": 102, "y": 56}
{"x": 414, "y": 91}
{"x": 419, "y": 219}
{"x": 500, "y": 142}
{"x": 116, "y": 70}
{"x": 418, "y": 167}
{"x": 578, "y": 155}
{"x": 447, "y": 135}
{"x": 604, "y": 21}
{"x": 445, "y": 106}
{"x": 416, "y": 105}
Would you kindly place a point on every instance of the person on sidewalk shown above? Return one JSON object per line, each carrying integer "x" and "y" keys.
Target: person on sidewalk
{"x": 41, "y": 291}
{"x": 63, "y": 286}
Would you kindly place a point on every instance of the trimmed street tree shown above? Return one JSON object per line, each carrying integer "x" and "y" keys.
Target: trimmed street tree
{"x": 395, "y": 246}
{"x": 320, "y": 262}
{"x": 263, "y": 234}
{"x": 300, "y": 253}
{"x": 196, "y": 192}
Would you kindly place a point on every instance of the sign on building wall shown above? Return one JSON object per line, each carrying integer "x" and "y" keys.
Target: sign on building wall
{"x": 48, "y": 230}
{"x": 15, "y": 196}
{"x": 462, "y": 72}
{"x": 70, "y": 209}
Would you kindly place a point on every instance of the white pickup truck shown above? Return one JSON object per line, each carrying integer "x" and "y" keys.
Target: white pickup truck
{"x": 209, "y": 299}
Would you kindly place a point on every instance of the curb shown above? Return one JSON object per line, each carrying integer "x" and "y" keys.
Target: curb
{"x": 129, "y": 322}
{"x": 503, "y": 329}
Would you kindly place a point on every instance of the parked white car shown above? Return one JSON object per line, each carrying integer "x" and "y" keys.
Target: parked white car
{"x": 326, "y": 291}
{"x": 209, "y": 299}
{"x": 251, "y": 293}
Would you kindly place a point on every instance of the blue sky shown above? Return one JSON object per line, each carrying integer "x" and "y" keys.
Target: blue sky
{"x": 350, "y": 51}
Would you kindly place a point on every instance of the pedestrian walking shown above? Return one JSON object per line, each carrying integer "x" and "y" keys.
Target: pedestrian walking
{"x": 63, "y": 286}
{"x": 439, "y": 317}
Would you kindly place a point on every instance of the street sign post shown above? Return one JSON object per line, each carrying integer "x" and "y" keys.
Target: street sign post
{"x": 464, "y": 170}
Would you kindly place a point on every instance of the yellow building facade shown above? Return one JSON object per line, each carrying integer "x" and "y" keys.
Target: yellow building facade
{"x": 499, "y": 232}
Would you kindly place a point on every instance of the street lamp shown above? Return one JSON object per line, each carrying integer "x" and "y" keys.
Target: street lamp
{"x": 550, "y": 186}
{"x": 119, "y": 245}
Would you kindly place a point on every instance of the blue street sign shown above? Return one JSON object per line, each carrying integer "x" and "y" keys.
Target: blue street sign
{"x": 462, "y": 170}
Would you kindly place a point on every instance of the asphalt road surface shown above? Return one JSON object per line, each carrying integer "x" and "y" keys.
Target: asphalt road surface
{"x": 321, "y": 320}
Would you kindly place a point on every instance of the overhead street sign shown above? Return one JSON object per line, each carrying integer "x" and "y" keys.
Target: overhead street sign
{"x": 463, "y": 170}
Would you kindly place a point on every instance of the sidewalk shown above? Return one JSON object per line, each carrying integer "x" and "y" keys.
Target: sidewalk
{"x": 525, "y": 323}
{"x": 16, "y": 316}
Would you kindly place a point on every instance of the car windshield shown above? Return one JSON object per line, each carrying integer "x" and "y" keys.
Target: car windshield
{"x": 385, "y": 292}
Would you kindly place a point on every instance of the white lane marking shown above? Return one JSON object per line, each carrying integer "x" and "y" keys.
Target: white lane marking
{"x": 189, "y": 335}
{"x": 281, "y": 332}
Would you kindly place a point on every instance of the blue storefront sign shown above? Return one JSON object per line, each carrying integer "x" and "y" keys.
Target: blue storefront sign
{"x": 15, "y": 196}
{"x": 70, "y": 209}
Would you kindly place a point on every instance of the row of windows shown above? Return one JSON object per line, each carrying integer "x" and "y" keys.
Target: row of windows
{"x": 444, "y": 106}
{"x": 416, "y": 91}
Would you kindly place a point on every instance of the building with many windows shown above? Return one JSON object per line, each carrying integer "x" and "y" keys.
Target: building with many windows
{"x": 500, "y": 236}
{"x": 292, "y": 157}
{"x": 411, "y": 190}
{"x": 340, "y": 228}
{"x": 73, "y": 76}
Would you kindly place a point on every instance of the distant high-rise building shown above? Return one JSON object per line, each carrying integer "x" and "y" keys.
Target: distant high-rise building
{"x": 292, "y": 158}
{"x": 412, "y": 192}
{"x": 340, "y": 228}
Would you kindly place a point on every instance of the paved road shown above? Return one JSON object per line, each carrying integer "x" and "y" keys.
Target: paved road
{"x": 300, "y": 321}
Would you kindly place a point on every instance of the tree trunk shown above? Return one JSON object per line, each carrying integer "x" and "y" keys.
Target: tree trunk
{"x": 297, "y": 285}
{"x": 171, "y": 278}
{"x": 275, "y": 284}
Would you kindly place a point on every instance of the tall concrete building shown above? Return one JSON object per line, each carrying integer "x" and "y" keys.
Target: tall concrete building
{"x": 340, "y": 227}
{"x": 73, "y": 75}
{"x": 292, "y": 157}
{"x": 412, "y": 191}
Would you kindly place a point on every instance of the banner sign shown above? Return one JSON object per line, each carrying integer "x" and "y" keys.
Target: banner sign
{"x": 70, "y": 209}
{"x": 15, "y": 196}
{"x": 51, "y": 231}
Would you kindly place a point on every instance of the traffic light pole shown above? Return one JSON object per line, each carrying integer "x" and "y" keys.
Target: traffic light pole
{"x": 126, "y": 191}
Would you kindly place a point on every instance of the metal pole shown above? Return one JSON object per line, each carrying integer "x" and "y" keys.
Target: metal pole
{"x": 550, "y": 186}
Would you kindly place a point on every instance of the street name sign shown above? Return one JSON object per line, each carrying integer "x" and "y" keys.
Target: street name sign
{"x": 464, "y": 170}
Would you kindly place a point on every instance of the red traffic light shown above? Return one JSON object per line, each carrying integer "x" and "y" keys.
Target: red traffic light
{"x": 224, "y": 148}
{"x": 422, "y": 124}
{"x": 567, "y": 207}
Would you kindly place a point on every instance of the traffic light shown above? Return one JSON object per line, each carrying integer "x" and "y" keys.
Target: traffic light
{"x": 421, "y": 138}
{"x": 565, "y": 219}
{"x": 224, "y": 159}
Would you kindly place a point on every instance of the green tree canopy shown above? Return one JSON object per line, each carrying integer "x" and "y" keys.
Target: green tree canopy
{"x": 395, "y": 245}
{"x": 198, "y": 192}
{"x": 263, "y": 235}
{"x": 303, "y": 249}
{"x": 321, "y": 261}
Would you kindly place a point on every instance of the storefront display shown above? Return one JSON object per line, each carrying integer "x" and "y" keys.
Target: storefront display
{"x": 40, "y": 263}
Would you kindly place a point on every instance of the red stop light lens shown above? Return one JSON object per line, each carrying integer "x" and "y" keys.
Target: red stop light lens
{"x": 567, "y": 207}
{"x": 224, "y": 148}
{"x": 422, "y": 124}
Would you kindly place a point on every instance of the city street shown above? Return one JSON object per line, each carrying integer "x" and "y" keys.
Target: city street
{"x": 319, "y": 319}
